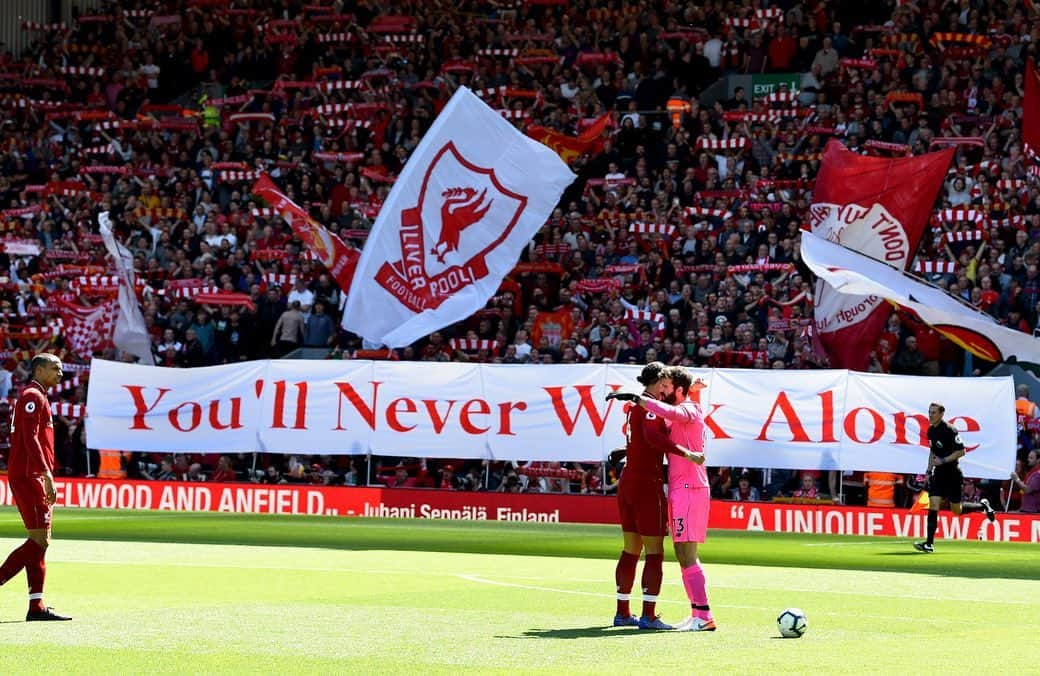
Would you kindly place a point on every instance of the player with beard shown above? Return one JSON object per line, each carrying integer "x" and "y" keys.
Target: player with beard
{"x": 641, "y": 500}
{"x": 689, "y": 492}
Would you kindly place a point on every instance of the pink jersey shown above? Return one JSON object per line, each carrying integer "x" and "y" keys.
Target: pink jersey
{"x": 685, "y": 428}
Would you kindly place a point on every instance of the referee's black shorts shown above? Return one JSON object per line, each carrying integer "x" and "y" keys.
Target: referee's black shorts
{"x": 947, "y": 484}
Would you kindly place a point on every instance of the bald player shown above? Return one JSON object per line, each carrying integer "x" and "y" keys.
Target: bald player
{"x": 30, "y": 468}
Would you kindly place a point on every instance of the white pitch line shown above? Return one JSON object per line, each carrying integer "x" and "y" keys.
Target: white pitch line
{"x": 666, "y": 582}
{"x": 800, "y": 590}
{"x": 553, "y": 590}
{"x": 847, "y": 544}
{"x": 230, "y": 566}
{"x": 363, "y": 571}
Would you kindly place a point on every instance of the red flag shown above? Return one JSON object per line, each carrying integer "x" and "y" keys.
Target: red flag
{"x": 568, "y": 147}
{"x": 879, "y": 207}
{"x": 556, "y": 326}
{"x": 337, "y": 257}
{"x": 1031, "y": 112}
{"x": 87, "y": 329}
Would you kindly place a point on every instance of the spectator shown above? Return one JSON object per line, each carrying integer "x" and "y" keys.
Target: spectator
{"x": 909, "y": 360}
{"x": 447, "y": 481}
{"x": 195, "y": 472}
{"x": 166, "y": 472}
{"x": 881, "y": 489}
{"x": 288, "y": 330}
{"x": 224, "y": 473}
{"x": 351, "y": 476}
{"x": 302, "y": 295}
{"x": 807, "y": 488}
{"x": 1024, "y": 407}
{"x": 1030, "y": 484}
{"x": 782, "y": 50}
{"x": 744, "y": 491}
{"x": 511, "y": 484}
{"x": 205, "y": 332}
{"x": 318, "y": 330}
{"x": 400, "y": 479}
{"x": 192, "y": 353}
{"x": 272, "y": 476}
{"x": 826, "y": 58}
{"x": 5, "y": 379}
{"x": 169, "y": 342}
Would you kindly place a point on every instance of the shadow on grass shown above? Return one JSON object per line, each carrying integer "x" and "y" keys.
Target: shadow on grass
{"x": 582, "y": 632}
{"x": 912, "y": 552}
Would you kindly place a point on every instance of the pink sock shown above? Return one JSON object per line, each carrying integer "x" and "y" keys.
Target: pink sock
{"x": 697, "y": 590}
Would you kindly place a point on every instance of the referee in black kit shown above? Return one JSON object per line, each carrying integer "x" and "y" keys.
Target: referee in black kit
{"x": 944, "y": 474}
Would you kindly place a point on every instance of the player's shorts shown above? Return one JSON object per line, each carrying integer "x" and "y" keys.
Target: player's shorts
{"x": 948, "y": 485}
{"x": 689, "y": 513}
{"x": 643, "y": 507}
{"x": 32, "y": 502}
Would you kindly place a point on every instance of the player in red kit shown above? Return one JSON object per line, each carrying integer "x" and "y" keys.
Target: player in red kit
{"x": 30, "y": 469}
{"x": 642, "y": 503}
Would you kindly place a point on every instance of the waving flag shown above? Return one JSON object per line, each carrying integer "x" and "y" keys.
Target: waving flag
{"x": 570, "y": 148}
{"x": 848, "y": 272}
{"x": 87, "y": 328}
{"x": 470, "y": 198}
{"x": 878, "y": 207}
{"x": 131, "y": 333}
{"x": 337, "y": 257}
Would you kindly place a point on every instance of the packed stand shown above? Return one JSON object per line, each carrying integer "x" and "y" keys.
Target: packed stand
{"x": 679, "y": 241}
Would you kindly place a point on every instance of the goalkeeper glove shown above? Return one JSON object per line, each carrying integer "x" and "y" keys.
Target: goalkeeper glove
{"x": 623, "y": 396}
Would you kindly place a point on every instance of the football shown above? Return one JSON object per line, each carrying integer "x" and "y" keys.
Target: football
{"x": 792, "y": 623}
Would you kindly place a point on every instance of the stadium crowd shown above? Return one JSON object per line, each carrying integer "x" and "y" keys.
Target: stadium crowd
{"x": 164, "y": 114}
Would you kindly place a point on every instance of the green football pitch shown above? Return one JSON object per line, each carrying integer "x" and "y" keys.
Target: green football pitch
{"x": 220, "y": 593}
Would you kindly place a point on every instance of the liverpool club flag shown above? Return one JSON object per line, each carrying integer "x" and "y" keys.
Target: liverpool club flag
{"x": 469, "y": 199}
{"x": 878, "y": 207}
{"x": 856, "y": 276}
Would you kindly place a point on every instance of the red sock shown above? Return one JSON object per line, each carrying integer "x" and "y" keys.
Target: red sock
{"x": 17, "y": 559}
{"x": 653, "y": 572}
{"x": 625, "y": 577}
{"x": 36, "y": 571}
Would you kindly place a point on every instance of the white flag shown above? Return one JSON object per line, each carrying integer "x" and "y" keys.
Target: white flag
{"x": 469, "y": 199}
{"x": 852, "y": 273}
{"x": 130, "y": 334}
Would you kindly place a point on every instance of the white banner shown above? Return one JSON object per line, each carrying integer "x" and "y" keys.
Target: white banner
{"x": 470, "y": 198}
{"x": 789, "y": 419}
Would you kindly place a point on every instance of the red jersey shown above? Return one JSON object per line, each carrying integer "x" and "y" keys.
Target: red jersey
{"x": 32, "y": 434}
{"x": 647, "y": 443}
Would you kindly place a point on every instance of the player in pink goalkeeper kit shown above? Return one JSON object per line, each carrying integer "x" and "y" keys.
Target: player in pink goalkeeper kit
{"x": 689, "y": 494}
